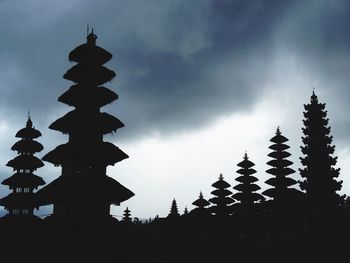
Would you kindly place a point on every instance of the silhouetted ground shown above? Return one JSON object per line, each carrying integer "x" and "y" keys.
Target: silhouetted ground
{"x": 278, "y": 237}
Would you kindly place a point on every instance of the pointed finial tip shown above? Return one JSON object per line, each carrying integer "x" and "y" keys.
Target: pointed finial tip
{"x": 91, "y": 37}
{"x": 313, "y": 96}
{"x": 246, "y": 155}
{"x": 278, "y": 130}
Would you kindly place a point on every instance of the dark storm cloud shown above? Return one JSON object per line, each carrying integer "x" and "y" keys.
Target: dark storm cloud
{"x": 179, "y": 64}
{"x": 317, "y": 32}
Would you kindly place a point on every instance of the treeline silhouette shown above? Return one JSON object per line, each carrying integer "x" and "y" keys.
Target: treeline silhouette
{"x": 236, "y": 224}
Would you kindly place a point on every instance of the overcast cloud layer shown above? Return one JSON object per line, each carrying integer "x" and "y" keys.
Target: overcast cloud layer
{"x": 181, "y": 65}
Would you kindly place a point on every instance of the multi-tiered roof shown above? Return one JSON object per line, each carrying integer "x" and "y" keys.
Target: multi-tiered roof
{"x": 22, "y": 201}
{"x": 318, "y": 162}
{"x": 246, "y": 195}
{"x": 201, "y": 203}
{"x": 221, "y": 199}
{"x": 282, "y": 194}
{"x": 84, "y": 189}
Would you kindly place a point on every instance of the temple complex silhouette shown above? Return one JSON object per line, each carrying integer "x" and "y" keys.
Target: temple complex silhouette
{"x": 235, "y": 220}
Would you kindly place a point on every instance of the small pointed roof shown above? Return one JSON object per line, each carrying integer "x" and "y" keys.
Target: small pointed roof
{"x": 278, "y": 138}
{"x": 201, "y": 202}
{"x": 313, "y": 98}
{"x": 89, "y": 52}
{"x": 221, "y": 183}
{"x": 29, "y": 132}
{"x": 245, "y": 163}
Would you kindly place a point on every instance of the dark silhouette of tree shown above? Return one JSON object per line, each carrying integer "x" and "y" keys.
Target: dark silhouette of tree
{"x": 319, "y": 172}
{"x": 201, "y": 205}
{"x": 21, "y": 202}
{"x": 84, "y": 190}
{"x": 246, "y": 195}
{"x": 174, "y": 212}
{"x": 221, "y": 199}
{"x": 282, "y": 195}
{"x": 126, "y": 216}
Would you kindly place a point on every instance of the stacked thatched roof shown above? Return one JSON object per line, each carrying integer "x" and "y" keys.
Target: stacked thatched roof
{"x": 84, "y": 158}
{"x": 22, "y": 200}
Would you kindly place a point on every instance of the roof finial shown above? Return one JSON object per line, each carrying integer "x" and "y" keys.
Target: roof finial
{"x": 91, "y": 37}
{"x": 29, "y": 121}
{"x": 245, "y": 157}
{"x": 87, "y": 29}
{"x": 278, "y": 131}
{"x": 313, "y": 96}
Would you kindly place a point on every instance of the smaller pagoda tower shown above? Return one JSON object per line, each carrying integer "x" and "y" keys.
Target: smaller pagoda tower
{"x": 282, "y": 192}
{"x": 174, "y": 212}
{"x": 246, "y": 188}
{"x": 21, "y": 202}
{"x": 200, "y": 204}
{"x": 126, "y": 216}
{"x": 221, "y": 199}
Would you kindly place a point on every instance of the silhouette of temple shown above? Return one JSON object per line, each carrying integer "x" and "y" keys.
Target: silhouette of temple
{"x": 174, "y": 212}
{"x": 127, "y": 216}
{"x": 281, "y": 192}
{"x": 319, "y": 172}
{"x": 22, "y": 201}
{"x": 246, "y": 187}
{"x": 201, "y": 205}
{"x": 221, "y": 200}
{"x": 83, "y": 189}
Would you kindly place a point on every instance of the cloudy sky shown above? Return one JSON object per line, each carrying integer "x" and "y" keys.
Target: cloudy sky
{"x": 199, "y": 83}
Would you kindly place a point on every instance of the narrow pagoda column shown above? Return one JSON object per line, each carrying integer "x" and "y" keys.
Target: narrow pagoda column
{"x": 22, "y": 201}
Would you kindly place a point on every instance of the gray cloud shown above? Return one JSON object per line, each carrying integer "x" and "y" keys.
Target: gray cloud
{"x": 179, "y": 64}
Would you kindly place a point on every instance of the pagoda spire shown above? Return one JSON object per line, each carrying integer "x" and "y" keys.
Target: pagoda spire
{"x": 221, "y": 200}
{"x": 201, "y": 205}
{"x": 174, "y": 212}
{"x": 127, "y": 216}
{"x": 22, "y": 201}
{"x": 84, "y": 189}
{"x": 318, "y": 169}
{"x": 246, "y": 195}
{"x": 282, "y": 193}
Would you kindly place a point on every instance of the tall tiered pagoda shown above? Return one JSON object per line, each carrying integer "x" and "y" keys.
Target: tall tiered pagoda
{"x": 282, "y": 192}
{"x": 21, "y": 202}
{"x": 84, "y": 190}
